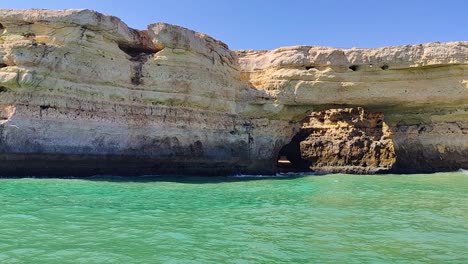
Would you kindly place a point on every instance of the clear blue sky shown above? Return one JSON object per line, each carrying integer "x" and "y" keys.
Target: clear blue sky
{"x": 260, "y": 24}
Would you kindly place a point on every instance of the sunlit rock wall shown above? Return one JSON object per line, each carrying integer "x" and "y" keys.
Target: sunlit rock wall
{"x": 81, "y": 93}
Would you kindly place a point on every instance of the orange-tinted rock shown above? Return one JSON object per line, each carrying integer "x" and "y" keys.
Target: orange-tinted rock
{"x": 347, "y": 140}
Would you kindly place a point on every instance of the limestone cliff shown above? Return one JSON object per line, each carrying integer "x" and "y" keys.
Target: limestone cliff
{"x": 422, "y": 90}
{"x": 81, "y": 93}
{"x": 91, "y": 96}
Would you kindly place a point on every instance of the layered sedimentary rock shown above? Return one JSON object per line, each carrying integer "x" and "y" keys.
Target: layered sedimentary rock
{"x": 92, "y": 96}
{"x": 422, "y": 90}
{"x": 81, "y": 93}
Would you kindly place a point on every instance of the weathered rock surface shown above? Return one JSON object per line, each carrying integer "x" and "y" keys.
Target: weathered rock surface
{"x": 94, "y": 96}
{"x": 82, "y": 93}
{"x": 343, "y": 140}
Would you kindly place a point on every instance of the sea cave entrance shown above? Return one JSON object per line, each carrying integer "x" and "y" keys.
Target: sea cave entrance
{"x": 289, "y": 157}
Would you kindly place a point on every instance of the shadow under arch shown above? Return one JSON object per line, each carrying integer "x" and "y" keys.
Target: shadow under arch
{"x": 289, "y": 158}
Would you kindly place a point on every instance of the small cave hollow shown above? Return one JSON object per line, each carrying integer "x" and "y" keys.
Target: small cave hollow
{"x": 136, "y": 52}
{"x": 354, "y": 67}
{"x": 3, "y": 89}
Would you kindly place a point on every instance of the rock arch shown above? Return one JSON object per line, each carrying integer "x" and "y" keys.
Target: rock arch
{"x": 348, "y": 140}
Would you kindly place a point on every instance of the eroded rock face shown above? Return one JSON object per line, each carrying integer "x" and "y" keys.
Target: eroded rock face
{"x": 93, "y": 96}
{"x": 422, "y": 90}
{"x": 428, "y": 147}
{"x": 82, "y": 93}
{"x": 345, "y": 140}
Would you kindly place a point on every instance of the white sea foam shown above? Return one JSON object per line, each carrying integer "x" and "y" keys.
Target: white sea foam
{"x": 277, "y": 175}
{"x": 256, "y": 176}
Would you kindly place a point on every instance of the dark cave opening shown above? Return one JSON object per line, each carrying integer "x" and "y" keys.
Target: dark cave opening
{"x": 354, "y": 67}
{"x": 289, "y": 157}
{"x": 135, "y": 52}
{"x": 3, "y": 89}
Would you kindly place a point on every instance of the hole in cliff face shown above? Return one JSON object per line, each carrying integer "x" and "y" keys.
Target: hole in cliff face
{"x": 2, "y": 28}
{"x": 384, "y": 67}
{"x": 29, "y": 35}
{"x": 3, "y": 89}
{"x": 136, "y": 52}
{"x": 354, "y": 67}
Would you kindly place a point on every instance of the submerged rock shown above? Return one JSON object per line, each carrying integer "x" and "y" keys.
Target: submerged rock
{"x": 81, "y": 93}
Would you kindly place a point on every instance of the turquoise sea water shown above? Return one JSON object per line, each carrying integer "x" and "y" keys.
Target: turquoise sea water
{"x": 316, "y": 219}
